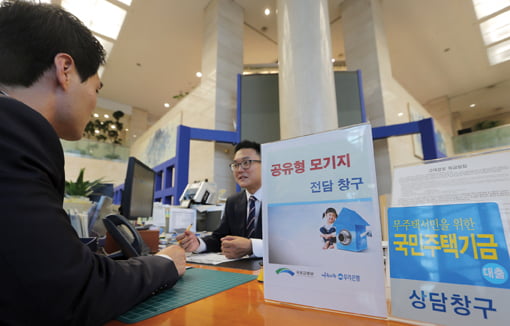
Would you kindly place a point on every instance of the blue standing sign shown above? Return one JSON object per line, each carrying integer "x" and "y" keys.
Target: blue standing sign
{"x": 449, "y": 263}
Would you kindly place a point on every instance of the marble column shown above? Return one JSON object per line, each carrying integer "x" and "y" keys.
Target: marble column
{"x": 222, "y": 58}
{"x": 222, "y": 61}
{"x": 366, "y": 49}
{"x": 306, "y": 84}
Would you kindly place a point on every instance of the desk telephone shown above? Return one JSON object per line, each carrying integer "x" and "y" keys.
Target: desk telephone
{"x": 126, "y": 236}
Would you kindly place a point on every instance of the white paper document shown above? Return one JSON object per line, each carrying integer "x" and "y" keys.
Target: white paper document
{"x": 213, "y": 258}
{"x": 181, "y": 219}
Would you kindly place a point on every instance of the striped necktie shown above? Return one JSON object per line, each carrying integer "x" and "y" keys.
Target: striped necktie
{"x": 250, "y": 223}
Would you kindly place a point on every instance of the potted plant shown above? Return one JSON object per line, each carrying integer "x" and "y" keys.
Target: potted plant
{"x": 77, "y": 192}
{"x": 81, "y": 187}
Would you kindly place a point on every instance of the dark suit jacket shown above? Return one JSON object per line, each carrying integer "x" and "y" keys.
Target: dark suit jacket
{"x": 47, "y": 276}
{"x": 233, "y": 222}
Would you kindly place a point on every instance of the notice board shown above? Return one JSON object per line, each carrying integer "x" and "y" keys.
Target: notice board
{"x": 321, "y": 226}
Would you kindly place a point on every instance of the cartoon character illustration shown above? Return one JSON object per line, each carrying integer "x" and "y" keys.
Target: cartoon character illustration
{"x": 328, "y": 230}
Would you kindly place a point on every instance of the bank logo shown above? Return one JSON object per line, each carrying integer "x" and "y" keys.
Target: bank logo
{"x": 284, "y": 270}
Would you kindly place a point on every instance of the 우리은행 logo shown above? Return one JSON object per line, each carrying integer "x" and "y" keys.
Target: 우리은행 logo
{"x": 284, "y": 270}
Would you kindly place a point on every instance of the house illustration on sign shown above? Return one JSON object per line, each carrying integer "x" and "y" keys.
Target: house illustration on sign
{"x": 351, "y": 231}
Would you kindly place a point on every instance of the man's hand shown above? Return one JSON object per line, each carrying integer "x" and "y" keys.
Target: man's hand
{"x": 188, "y": 241}
{"x": 235, "y": 247}
{"x": 178, "y": 256}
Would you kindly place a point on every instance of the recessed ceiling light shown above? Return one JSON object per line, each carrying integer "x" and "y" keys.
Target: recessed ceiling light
{"x": 472, "y": 105}
{"x": 96, "y": 115}
{"x": 267, "y": 11}
{"x": 333, "y": 60}
{"x": 166, "y": 105}
{"x": 400, "y": 114}
{"x": 106, "y": 116}
{"x": 198, "y": 74}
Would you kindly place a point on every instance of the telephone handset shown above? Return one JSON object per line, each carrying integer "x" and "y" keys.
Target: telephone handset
{"x": 126, "y": 236}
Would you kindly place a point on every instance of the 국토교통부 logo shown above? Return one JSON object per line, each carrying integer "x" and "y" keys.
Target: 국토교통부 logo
{"x": 284, "y": 270}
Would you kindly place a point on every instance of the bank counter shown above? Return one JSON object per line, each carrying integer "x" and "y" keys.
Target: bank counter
{"x": 245, "y": 305}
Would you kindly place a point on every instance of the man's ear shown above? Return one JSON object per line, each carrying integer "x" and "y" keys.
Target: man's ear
{"x": 64, "y": 65}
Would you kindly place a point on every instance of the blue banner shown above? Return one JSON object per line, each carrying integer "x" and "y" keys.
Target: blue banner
{"x": 458, "y": 244}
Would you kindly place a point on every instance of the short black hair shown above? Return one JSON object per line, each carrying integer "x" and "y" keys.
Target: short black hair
{"x": 329, "y": 210}
{"x": 31, "y": 35}
{"x": 248, "y": 144}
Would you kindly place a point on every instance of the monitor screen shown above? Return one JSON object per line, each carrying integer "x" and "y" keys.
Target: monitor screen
{"x": 138, "y": 195}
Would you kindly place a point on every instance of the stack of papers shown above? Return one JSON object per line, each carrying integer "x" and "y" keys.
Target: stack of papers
{"x": 212, "y": 258}
{"x": 89, "y": 222}
{"x": 79, "y": 221}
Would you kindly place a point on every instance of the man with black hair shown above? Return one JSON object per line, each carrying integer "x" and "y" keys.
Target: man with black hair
{"x": 48, "y": 89}
{"x": 240, "y": 230}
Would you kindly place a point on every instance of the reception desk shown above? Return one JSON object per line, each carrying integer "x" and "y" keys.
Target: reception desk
{"x": 245, "y": 305}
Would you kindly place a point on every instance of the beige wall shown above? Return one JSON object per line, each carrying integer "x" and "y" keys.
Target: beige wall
{"x": 110, "y": 171}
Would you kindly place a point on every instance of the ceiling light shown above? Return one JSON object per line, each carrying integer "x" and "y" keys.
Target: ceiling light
{"x": 96, "y": 131}
{"x": 400, "y": 114}
{"x": 472, "y": 105}
{"x": 499, "y": 53}
{"x": 96, "y": 115}
{"x": 496, "y": 28}
{"x": 107, "y": 45}
{"x": 267, "y": 11}
{"x": 106, "y": 116}
{"x": 166, "y": 105}
{"x": 100, "y": 16}
{"x": 100, "y": 71}
{"x": 485, "y": 8}
{"x": 333, "y": 60}
{"x": 112, "y": 127}
{"x": 198, "y": 74}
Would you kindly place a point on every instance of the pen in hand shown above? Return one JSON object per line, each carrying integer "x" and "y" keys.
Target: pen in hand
{"x": 187, "y": 229}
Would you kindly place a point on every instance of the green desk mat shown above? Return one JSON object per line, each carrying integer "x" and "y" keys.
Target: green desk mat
{"x": 196, "y": 284}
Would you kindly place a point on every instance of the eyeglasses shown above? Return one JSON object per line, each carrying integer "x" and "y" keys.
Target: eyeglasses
{"x": 245, "y": 165}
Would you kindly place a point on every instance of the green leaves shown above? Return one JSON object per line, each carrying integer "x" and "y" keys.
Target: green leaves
{"x": 81, "y": 187}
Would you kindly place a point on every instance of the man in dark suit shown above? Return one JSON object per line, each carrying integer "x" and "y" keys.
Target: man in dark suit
{"x": 240, "y": 230}
{"x": 48, "y": 89}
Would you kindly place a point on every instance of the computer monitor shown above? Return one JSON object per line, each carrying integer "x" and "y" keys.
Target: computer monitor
{"x": 138, "y": 195}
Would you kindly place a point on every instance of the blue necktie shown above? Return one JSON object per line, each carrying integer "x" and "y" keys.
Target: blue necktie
{"x": 250, "y": 223}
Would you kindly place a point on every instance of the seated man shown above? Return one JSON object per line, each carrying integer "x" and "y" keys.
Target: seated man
{"x": 240, "y": 230}
{"x": 48, "y": 90}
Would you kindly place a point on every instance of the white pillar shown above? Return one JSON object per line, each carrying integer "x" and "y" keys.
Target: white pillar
{"x": 366, "y": 49}
{"x": 306, "y": 84}
{"x": 222, "y": 58}
{"x": 222, "y": 61}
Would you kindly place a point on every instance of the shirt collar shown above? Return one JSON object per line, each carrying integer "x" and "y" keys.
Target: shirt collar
{"x": 257, "y": 194}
